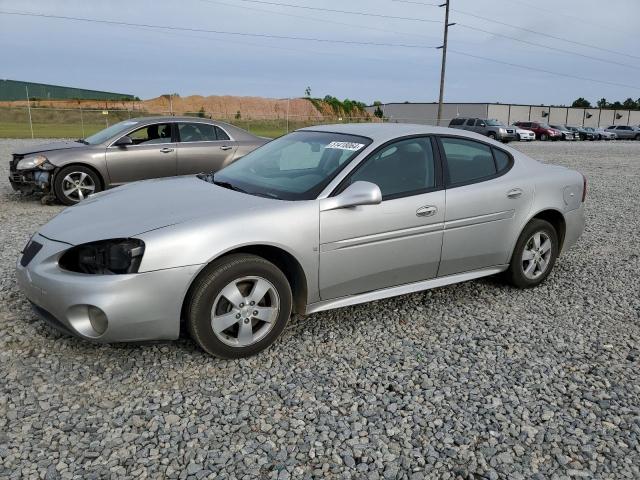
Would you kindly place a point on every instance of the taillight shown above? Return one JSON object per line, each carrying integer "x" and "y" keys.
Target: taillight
{"x": 584, "y": 187}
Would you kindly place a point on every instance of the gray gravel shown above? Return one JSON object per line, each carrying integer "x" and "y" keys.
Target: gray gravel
{"x": 474, "y": 381}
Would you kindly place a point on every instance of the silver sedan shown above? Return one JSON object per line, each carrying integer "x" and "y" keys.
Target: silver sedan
{"x": 321, "y": 218}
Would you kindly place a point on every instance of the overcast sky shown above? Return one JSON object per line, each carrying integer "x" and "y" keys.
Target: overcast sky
{"x": 149, "y": 62}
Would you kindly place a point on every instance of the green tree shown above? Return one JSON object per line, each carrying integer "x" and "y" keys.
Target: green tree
{"x": 378, "y": 111}
{"x": 630, "y": 103}
{"x": 238, "y": 115}
{"x": 617, "y": 105}
{"x": 307, "y": 92}
{"x": 201, "y": 112}
{"x": 602, "y": 103}
{"x": 581, "y": 103}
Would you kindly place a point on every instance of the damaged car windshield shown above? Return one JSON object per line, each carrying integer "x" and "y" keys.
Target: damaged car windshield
{"x": 297, "y": 166}
{"x": 104, "y": 135}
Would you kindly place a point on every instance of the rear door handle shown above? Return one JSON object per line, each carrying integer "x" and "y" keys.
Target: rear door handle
{"x": 426, "y": 211}
{"x": 166, "y": 150}
{"x": 514, "y": 193}
{"x": 225, "y": 147}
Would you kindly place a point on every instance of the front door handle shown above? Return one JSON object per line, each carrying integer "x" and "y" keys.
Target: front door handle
{"x": 514, "y": 193}
{"x": 225, "y": 147}
{"x": 426, "y": 211}
{"x": 166, "y": 150}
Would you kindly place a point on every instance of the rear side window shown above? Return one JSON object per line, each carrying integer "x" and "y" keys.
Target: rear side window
{"x": 471, "y": 122}
{"x": 467, "y": 161}
{"x": 456, "y": 121}
{"x": 502, "y": 159}
{"x": 221, "y": 134}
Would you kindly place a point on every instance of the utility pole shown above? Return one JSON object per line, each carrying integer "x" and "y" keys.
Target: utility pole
{"x": 29, "y": 109}
{"x": 444, "y": 58}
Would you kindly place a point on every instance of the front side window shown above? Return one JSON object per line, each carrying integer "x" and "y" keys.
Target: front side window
{"x": 297, "y": 166}
{"x": 197, "y": 132}
{"x": 467, "y": 160}
{"x": 494, "y": 123}
{"x": 471, "y": 122}
{"x": 109, "y": 132}
{"x": 403, "y": 168}
{"x": 152, "y": 134}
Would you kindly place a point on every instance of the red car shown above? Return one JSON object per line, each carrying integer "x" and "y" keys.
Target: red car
{"x": 542, "y": 130}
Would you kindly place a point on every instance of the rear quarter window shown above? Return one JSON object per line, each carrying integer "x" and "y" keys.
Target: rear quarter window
{"x": 456, "y": 121}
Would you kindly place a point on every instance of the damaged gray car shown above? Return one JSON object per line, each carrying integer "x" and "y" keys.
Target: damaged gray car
{"x": 131, "y": 150}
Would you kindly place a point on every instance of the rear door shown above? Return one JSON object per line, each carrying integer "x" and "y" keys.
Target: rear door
{"x": 485, "y": 204}
{"x": 470, "y": 124}
{"x": 203, "y": 147}
{"x": 152, "y": 155}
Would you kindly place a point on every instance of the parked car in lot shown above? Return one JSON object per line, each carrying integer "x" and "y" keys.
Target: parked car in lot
{"x": 624, "y": 132}
{"x": 566, "y": 132}
{"x": 542, "y": 130}
{"x": 583, "y": 132}
{"x": 491, "y": 128}
{"x": 131, "y": 150}
{"x": 601, "y": 133}
{"x": 523, "y": 134}
{"x": 322, "y": 218}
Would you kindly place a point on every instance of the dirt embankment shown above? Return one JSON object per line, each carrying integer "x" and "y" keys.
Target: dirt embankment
{"x": 217, "y": 106}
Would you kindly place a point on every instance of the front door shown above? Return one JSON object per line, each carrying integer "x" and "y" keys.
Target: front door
{"x": 152, "y": 155}
{"x": 203, "y": 147}
{"x": 486, "y": 203}
{"x": 399, "y": 241}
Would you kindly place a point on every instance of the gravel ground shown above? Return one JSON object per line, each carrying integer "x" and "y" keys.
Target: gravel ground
{"x": 471, "y": 381}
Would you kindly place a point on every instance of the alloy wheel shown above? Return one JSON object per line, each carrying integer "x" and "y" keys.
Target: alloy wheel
{"x": 76, "y": 186}
{"x": 536, "y": 255}
{"x": 245, "y": 311}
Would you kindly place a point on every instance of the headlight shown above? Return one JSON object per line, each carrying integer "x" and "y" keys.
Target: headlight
{"x": 39, "y": 161}
{"x": 502, "y": 130}
{"x": 107, "y": 257}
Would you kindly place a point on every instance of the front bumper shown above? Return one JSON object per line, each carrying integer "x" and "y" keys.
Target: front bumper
{"x": 29, "y": 181}
{"x": 507, "y": 137}
{"x": 574, "y": 222}
{"x": 138, "y": 307}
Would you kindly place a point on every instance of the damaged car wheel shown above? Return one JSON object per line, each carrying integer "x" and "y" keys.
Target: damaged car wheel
{"x": 74, "y": 183}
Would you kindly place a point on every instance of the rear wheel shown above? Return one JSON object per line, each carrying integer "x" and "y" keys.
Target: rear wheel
{"x": 534, "y": 255}
{"x": 544, "y": 137}
{"x": 238, "y": 306}
{"x": 74, "y": 183}
{"x": 638, "y": 136}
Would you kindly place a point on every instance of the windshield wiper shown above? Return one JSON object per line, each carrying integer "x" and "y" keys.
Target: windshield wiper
{"x": 228, "y": 186}
{"x": 83, "y": 141}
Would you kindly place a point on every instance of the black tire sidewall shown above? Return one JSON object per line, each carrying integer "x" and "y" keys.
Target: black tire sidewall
{"x": 63, "y": 172}
{"x": 206, "y": 289}
{"x": 515, "y": 271}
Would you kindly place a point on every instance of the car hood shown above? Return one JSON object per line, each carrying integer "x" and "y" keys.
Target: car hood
{"x": 148, "y": 205}
{"x": 48, "y": 147}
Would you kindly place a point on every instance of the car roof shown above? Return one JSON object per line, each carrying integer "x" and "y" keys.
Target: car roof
{"x": 383, "y": 132}
{"x": 236, "y": 132}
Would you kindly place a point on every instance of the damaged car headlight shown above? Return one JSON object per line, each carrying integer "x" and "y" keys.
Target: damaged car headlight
{"x": 39, "y": 161}
{"x": 107, "y": 257}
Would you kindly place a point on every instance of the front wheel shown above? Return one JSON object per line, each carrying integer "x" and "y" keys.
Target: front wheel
{"x": 534, "y": 255}
{"x": 238, "y": 306}
{"x": 492, "y": 135}
{"x": 74, "y": 183}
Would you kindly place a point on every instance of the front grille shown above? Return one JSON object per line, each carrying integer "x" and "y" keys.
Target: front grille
{"x": 30, "y": 251}
{"x": 13, "y": 165}
{"x": 509, "y": 131}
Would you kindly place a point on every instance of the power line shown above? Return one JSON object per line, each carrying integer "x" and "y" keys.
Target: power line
{"x": 555, "y": 37}
{"x": 218, "y": 32}
{"x": 348, "y": 12}
{"x": 526, "y": 67}
{"x": 314, "y": 19}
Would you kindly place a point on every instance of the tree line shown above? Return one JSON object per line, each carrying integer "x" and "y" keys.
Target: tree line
{"x": 628, "y": 104}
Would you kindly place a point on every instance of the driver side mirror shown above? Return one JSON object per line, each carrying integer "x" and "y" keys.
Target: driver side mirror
{"x": 358, "y": 193}
{"x": 123, "y": 141}
{"x": 482, "y": 124}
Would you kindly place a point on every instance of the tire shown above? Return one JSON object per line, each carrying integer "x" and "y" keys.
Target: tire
{"x": 244, "y": 333}
{"x": 74, "y": 183}
{"x": 637, "y": 137}
{"x": 543, "y": 137}
{"x": 524, "y": 273}
{"x": 491, "y": 135}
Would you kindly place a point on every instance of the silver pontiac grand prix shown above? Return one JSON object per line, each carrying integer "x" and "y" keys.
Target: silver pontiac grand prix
{"x": 322, "y": 218}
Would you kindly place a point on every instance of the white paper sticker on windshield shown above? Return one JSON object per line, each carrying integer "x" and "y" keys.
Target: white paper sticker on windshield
{"x": 346, "y": 146}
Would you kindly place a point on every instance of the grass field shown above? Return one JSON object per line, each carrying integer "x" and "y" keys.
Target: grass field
{"x": 50, "y": 123}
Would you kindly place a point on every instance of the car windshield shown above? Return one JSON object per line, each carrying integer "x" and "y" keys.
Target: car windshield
{"x": 297, "y": 166}
{"x": 494, "y": 123}
{"x": 104, "y": 135}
